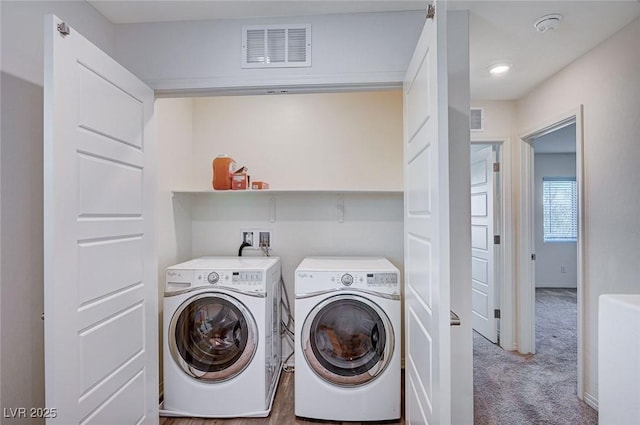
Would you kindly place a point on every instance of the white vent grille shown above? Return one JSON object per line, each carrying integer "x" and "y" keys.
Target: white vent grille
{"x": 476, "y": 119}
{"x": 276, "y": 46}
{"x": 254, "y": 46}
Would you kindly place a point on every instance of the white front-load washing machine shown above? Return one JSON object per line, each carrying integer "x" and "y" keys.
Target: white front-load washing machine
{"x": 222, "y": 351}
{"x": 347, "y": 332}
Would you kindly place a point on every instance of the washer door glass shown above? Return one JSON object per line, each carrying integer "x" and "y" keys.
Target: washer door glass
{"x": 213, "y": 337}
{"x": 347, "y": 340}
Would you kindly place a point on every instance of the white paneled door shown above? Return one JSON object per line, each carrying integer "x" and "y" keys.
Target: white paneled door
{"x": 100, "y": 276}
{"x": 483, "y": 283}
{"x": 427, "y": 265}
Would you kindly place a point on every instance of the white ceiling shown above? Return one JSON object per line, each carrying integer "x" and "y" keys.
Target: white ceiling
{"x": 500, "y": 31}
{"x": 128, "y": 11}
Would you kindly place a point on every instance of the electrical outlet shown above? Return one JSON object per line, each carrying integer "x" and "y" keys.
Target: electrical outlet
{"x": 247, "y": 237}
{"x": 264, "y": 239}
{"x": 256, "y": 238}
{"x": 563, "y": 269}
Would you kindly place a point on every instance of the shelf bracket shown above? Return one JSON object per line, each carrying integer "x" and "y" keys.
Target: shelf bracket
{"x": 340, "y": 209}
{"x": 272, "y": 209}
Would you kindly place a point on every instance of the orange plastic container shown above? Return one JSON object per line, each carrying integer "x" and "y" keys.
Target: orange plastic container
{"x": 223, "y": 169}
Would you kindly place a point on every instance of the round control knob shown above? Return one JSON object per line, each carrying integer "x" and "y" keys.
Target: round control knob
{"x": 213, "y": 277}
{"x": 346, "y": 279}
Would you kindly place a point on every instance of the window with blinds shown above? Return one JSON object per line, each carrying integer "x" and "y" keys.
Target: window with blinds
{"x": 560, "y": 209}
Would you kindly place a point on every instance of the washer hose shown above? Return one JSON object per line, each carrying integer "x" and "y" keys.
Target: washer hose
{"x": 243, "y": 246}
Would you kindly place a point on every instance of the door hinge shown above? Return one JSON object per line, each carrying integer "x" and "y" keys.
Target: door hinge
{"x": 64, "y": 29}
{"x": 431, "y": 11}
{"x": 496, "y": 239}
{"x": 496, "y": 313}
{"x": 533, "y": 257}
{"x": 496, "y": 166}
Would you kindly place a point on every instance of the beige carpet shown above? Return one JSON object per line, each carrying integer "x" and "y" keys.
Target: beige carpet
{"x": 514, "y": 389}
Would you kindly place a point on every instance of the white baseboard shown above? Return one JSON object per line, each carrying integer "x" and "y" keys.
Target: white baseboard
{"x": 591, "y": 400}
{"x": 556, "y": 285}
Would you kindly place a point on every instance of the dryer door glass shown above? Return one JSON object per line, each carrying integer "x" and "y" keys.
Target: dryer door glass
{"x": 349, "y": 340}
{"x": 213, "y": 337}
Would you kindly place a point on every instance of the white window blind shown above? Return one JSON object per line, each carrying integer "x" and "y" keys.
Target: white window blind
{"x": 560, "y": 209}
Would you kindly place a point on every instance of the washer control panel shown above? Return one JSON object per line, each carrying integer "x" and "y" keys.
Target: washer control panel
{"x": 365, "y": 280}
{"x": 378, "y": 279}
{"x": 241, "y": 280}
{"x": 372, "y": 275}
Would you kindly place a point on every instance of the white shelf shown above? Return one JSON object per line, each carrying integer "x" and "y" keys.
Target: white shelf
{"x": 290, "y": 192}
{"x": 272, "y": 194}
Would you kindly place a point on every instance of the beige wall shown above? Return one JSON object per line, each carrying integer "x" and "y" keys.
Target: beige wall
{"x": 174, "y": 149}
{"x": 304, "y": 141}
{"x": 606, "y": 81}
{"x": 499, "y": 120}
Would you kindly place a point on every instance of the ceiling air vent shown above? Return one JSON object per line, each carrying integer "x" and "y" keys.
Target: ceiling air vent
{"x": 476, "y": 119}
{"x": 276, "y": 46}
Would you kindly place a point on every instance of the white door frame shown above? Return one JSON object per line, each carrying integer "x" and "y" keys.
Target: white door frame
{"x": 526, "y": 284}
{"x": 506, "y": 257}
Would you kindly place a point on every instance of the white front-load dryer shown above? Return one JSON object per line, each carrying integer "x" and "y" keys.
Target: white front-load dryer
{"x": 347, "y": 333}
{"x": 222, "y": 351}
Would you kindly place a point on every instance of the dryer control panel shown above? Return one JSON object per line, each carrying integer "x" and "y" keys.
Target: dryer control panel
{"x": 383, "y": 282}
{"x": 248, "y": 281}
{"x": 373, "y": 275}
{"x": 377, "y": 279}
{"x": 367, "y": 279}
{"x": 242, "y": 280}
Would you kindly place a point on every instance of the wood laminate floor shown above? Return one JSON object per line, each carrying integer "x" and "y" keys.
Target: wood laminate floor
{"x": 282, "y": 412}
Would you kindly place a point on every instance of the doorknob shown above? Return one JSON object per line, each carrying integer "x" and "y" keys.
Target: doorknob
{"x": 454, "y": 319}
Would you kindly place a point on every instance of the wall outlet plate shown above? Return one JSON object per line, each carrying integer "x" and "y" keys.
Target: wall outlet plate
{"x": 257, "y": 238}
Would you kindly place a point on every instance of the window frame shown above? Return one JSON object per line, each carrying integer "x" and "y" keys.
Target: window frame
{"x": 548, "y": 236}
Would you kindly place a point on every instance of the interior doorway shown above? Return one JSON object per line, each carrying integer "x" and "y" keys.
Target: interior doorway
{"x": 492, "y": 249}
{"x": 555, "y": 208}
{"x": 555, "y": 212}
{"x": 562, "y": 179}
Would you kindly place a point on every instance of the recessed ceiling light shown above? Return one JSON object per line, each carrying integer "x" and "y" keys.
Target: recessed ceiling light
{"x": 499, "y": 69}
{"x": 547, "y": 23}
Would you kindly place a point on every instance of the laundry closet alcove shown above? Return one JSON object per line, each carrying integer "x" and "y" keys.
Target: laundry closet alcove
{"x": 333, "y": 162}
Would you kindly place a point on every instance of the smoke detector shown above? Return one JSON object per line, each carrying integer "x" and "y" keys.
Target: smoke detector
{"x": 548, "y": 23}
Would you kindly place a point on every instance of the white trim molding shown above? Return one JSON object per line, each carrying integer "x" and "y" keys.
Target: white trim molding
{"x": 260, "y": 85}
